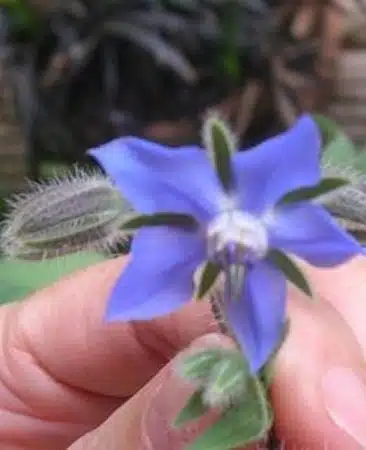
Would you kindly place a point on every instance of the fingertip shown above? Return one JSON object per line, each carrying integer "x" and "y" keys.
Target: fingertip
{"x": 318, "y": 340}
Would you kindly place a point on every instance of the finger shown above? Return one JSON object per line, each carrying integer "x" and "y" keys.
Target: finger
{"x": 62, "y": 327}
{"x": 76, "y": 301}
{"x": 64, "y": 370}
{"x": 345, "y": 288}
{"x": 319, "y": 392}
{"x": 145, "y": 421}
{"x": 311, "y": 411}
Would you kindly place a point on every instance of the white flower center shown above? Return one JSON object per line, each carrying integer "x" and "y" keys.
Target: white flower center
{"x": 237, "y": 235}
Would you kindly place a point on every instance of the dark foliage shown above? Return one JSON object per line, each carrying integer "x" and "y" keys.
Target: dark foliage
{"x": 86, "y": 71}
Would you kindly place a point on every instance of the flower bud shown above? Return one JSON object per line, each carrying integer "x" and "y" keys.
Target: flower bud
{"x": 82, "y": 211}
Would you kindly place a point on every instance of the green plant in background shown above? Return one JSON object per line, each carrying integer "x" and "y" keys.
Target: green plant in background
{"x": 20, "y": 18}
{"x": 95, "y": 70}
{"x": 19, "y": 278}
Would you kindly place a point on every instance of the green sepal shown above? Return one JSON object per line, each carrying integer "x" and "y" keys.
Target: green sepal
{"x": 219, "y": 141}
{"x": 135, "y": 222}
{"x": 291, "y": 271}
{"x": 359, "y": 235}
{"x": 308, "y": 193}
{"x": 240, "y": 425}
{"x": 193, "y": 410}
{"x": 207, "y": 277}
{"x": 354, "y": 228}
{"x": 198, "y": 366}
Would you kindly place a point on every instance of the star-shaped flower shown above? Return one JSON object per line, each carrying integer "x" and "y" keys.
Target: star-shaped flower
{"x": 238, "y": 224}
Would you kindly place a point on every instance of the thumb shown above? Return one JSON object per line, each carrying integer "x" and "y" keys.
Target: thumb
{"x": 144, "y": 421}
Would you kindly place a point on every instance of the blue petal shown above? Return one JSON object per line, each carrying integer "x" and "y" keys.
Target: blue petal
{"x": 309, "y": 232}
{"x": 284, "y": 163}
{"x": 155, "y": 178}
{"x": 158, "y": 280}
{"x": 257, "y": 319}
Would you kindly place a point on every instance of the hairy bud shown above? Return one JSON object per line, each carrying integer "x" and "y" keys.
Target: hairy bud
{"x": 81, "y": 211}
{"x": 348, "y": 203}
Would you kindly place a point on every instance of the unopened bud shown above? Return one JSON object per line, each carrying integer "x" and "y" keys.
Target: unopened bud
{"x": 78, "y": 212}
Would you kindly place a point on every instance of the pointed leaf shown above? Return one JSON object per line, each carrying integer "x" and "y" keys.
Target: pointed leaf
{"x": 194, "y": 409}
{"x": 207, "y": 277}
{"x": 240, "y": 425}
{"x": 291, "y": 271}
{"x": 172, "y": 219}
{"x": 219, "y": 141}
{"x": 307, "y": 193}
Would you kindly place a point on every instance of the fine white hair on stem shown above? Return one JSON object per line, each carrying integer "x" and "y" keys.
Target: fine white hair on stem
{"x": 82, "y": 210}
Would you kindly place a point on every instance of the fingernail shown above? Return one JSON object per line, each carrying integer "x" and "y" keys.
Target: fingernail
{"x": 345, "y": 400}
{"x": 167, "y": 401}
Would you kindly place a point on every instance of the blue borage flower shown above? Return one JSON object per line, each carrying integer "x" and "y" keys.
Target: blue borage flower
{"x": 239, "y": 225}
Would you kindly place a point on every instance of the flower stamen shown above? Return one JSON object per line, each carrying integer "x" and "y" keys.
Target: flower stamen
{"x": 235, "y": 237}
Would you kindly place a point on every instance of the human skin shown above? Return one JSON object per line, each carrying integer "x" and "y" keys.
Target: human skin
{"x": 68, "y": 380}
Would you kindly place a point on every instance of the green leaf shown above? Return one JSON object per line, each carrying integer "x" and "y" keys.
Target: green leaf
{"x": 307, "y": 193}
{"x": 159, "y": 219}
{"x": 240, "y": 425}
{"x": 194, "y": 409}
{"x": 292, "y": 272}
{"x": 20, "y": 278}
{"x": 219, "y": 141}
{"x": 228, "y": 381}
{"x": 206, "y": 278}
{"x": 198, "y": 366}
{"x": 338, "y": 149}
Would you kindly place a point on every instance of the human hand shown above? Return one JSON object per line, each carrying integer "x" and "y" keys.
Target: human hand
{"x": 68, "y": 380}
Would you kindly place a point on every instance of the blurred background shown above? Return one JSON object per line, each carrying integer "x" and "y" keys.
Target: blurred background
{"x": 76, "y": 73}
